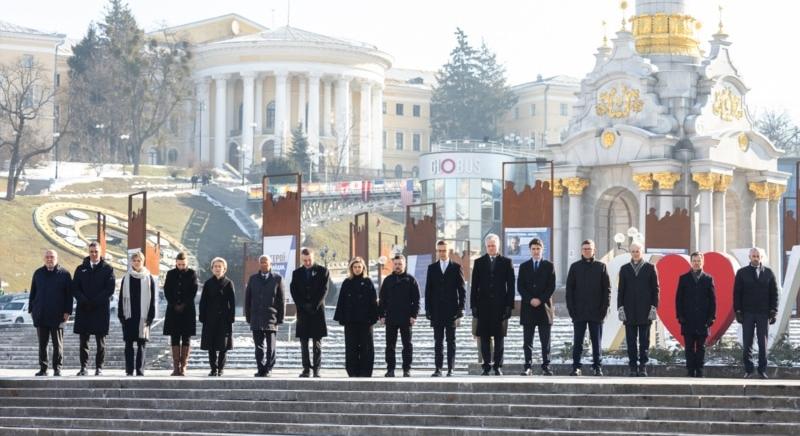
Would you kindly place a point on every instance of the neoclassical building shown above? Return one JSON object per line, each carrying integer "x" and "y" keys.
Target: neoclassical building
{"x": 660, "y": 127}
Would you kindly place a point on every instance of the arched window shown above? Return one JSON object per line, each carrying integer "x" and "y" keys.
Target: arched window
{"x": 270, "y": 113}
{"x": 172, "y": 156}
{"x": 398, "y": 171}
{"x": 415, "y": 171}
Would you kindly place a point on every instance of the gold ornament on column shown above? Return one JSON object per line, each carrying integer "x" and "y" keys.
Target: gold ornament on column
{"x": 761, "y": 190}
{"x": 705, "y": 181}
{"x": 558, "y": 188}
{"x": 666, "y": 179}
{"x": 723, "y": 183}
{"x": 776, "y": 191}
{"x": 644, "y": 181}
{"x": 575, "y": 185}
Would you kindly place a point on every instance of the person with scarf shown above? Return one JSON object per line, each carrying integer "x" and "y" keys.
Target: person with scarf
{"x": 637, "y": 303}
{"x": 217, "y": 313}
{"x": 136, "y": 311}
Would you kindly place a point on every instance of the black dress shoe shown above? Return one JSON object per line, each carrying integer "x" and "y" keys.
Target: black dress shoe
{"x": 449, "y": 372}
{"x": 632, "y": 372}
{"x": 642, "y": 371}
{"x": 547, "y": 371}
{"x": 57, "y": 373}
{"x": 268, "y": 374}
{"x": 140, "y": 372}
{"x": 82, "y": 372}
{"x": 316, "y": 373}
{"x": 219, "y": 373}
{"x": 698, "y": 373}
{"x": 41, "y": 373}
{"x": 498, "y": 371}
{"x": 597, "y": 372}
{"x": 406, "y": 373}
{"x": 98, "y": 371}
{"x": 576, "y": 372}
{"x": 526, "y": 371}
{"x": 130, "y": 374}
{"x": 690, "y": 373}
{"x": 437, "y": 373}
{"x": 259, "y": 374}
{"x": 389, "y": 373}
{"x": 748, "y": 375}
{"x": 213, "y": 373}
{"x": 762, "y": 375}
{"x": 485, "y": 372}
{"x": 305, "y": 374}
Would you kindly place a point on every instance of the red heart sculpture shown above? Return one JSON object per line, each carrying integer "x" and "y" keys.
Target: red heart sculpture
{"x": 719, "y": 266}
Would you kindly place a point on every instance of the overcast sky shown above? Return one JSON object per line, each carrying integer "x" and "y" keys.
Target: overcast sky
{"x": 530, "y": 37}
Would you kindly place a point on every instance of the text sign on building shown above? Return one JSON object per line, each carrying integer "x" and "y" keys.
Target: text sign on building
{"x": 447, "y": 165}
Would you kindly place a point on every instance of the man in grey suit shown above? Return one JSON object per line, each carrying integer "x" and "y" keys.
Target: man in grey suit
{"x": 263, "y": 310}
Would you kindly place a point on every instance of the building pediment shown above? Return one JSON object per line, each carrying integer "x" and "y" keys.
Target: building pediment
{"x": 616, "y": 145}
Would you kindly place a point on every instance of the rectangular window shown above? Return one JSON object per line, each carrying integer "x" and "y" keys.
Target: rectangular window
{"x": 384, "y": 139}
{"x": 398, "y": 109}
{"x": 27, "y": 61}
{"x": 533, "y": 110}
{"x": 416, "y": 110}
{"x": 398, "y": 141}
{"x": 384, "y": 108}
{"x": 564, "y": 109}
{"x": 58, "y": 80}
{"x": 416, "y": 141}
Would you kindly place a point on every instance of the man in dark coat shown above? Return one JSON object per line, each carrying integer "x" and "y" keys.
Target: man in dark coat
{"x": 755, "y": 300}
{"x": 445, "y": 297}
{"x": 93, "y": 288}
{"x": 398, "y": 307}
{"x": 263, "y": 309}
{"x": 309, "y": 287}
{"x": 588, "y": 299}
{"x": 696, "y": 308}
{"x": 180, "y": 320}
{"x": 637, "y": 303}
{"x": 492, "y": 299}
{"x": 50, "y": 305}
{"x": 536, "y": 284}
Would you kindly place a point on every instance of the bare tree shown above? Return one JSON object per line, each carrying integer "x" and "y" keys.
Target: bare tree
{"x": 781, "y": 130}
{"x": 26, "y": 99}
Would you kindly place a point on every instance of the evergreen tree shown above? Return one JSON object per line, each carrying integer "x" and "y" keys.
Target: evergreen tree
{"x": 470, "y": 95}
{"x": 299, "y": 151}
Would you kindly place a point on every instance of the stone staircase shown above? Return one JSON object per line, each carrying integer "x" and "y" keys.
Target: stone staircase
{"x": 456, "y": 406}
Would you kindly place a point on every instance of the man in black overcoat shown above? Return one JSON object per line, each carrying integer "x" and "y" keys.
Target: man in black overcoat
{"x": 755, "y": 300}
{"x": 398, "y": 307}
{"x": 180, "y": 320}
{"x": 588, "y": 299}
{"x": 637, "y": 303}
{"x": 536, "y": 283}
{"x": 445, "y": 297}
{"x": 264, "y": 309}
{"x": 492, "y": 299}
{"x": 93, "y": 287}
{"x": 695, "y": 307}
{"x": 50, "y": 305}
{"x": 309, "y": 287}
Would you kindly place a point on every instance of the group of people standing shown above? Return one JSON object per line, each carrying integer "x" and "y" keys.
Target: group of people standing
{"x": 396, "y": 305}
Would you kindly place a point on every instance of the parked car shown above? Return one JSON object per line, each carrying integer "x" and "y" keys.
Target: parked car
{"x": 15, "y": 312}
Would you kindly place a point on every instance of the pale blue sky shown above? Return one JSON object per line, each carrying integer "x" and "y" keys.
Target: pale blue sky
{"x": 529, "y": 36}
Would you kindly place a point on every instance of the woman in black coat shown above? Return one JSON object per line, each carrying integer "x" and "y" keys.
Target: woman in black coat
{"x": 217, "y": 313}
{"x": 357, "y": 311}
{"x": 136, "y": 311}
{"x": 180, "y": 290}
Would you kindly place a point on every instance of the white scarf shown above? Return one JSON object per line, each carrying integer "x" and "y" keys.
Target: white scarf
{"x": 144, "y": 300}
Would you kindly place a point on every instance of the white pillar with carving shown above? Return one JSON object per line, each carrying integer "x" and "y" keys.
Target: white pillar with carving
{"x": 575, "y": 187}
{"x": 259, "y": 112}
{"x": 775, "y": 253}
{"x": 220, "y": 119}
{"x": 343, "y": 130}
{"x": 705, "y": 183}
{"x": 301, "y": 102}
{"x": 557, "y": 249}
{"x": 204, "y": 120}
{"x": 313, "y": 117}
{"x": 761, "y": 190}
{"x": 377, "y": 127}
{"x": 365, "y": 127}
{"x": 281, "y": 111}
{"x": 720, "y": 224}
{"x": 327, "y": 107}
{"x": 248, "y": 103}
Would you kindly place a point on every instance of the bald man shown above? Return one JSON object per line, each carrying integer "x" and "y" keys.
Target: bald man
{"x": 50, "y": 305}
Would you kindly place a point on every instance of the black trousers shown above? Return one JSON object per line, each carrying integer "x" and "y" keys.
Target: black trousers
{"x": 596, "y": 336}
{"x": 528, "y": 331}
{"x": 316, "y": 345}
{"x": 180, "y": 340}
{"x": 758, "y": 324}
{"x": 57, "y": 335}
{"x": 695, "y": 351}
{"x": 640, "y": 353}
{"x": 140, "y": 351}
{"x": 440, "y": 332}
{"x": 216, "y": 359}
{"x": 391, "y": 341}
{"x": 359, "y": 353}
{"x": 265, "y": 341}
{"x": 486, "y": 351}
{"x": 100, "y": 357}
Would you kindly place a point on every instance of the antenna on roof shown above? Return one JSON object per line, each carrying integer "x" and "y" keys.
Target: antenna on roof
{"x": 288, "y": 11}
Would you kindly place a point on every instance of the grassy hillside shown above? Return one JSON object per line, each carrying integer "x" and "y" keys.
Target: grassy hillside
{"x": 336, "y": 235}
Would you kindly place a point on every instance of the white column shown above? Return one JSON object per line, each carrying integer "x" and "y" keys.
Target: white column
{"x": 204, "y": 120}
{"x": 775, "y": 243}
{"x": 232, "y": 113}
{"x": 281, "y": 111}
{"x": 343, "y": 131}
{"x": 301, "y": 102}
{"x": 762, "y": 224}
{"x": 313, "y": 117}
{"x": 220, "y": 119}
{"x": 575, "y": 186}
{"x": 259, "y": 113}
{"x": 248, "y": 97}
{"x": 365, "y": 127}
{"x": 557, "y": 249}
{"x": 377, "y": 127}
{"x": 720, "y": 236}
{"x": 706, "y": 236}
{"x": 327, "y": 107}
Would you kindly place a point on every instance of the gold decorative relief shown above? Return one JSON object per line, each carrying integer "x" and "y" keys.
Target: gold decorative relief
{"x": 558, "y": 188}
{"x": 608, "y": 138}
{"x": 666, "y": 180}
{"x": 760, "y": 189}
{"x": 575, "y": 185}
{"x": 619, "y": 102}
{"x": 644, "y": 181}
{"x": 727, "y": 105}
{"x": 723, "y": 183}
{"x": 776, "y": 191}
{"x": 705, "y": 181}
{"x": 744, "y": 141}
{"x": 667, "y": 34}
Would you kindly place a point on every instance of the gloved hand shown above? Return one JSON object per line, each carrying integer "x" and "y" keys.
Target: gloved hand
{"x": 474, "y": 312}
{"x": 621, "y": 313}
{"x": 739, "y": 317}
{"x": 773, "y": 317}
{"x": 710, "y": 323}
{"x": 459, "y": 314}
{"x": 773, "y": 321}
{"x": 653, "y": 315}
{"x": 507, "y": 313}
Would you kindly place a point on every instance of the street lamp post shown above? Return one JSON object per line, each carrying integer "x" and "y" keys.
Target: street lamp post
{"x": 201, "y": 107}
{"x": 242, "y": 149}
{"x": 55, "y": 140}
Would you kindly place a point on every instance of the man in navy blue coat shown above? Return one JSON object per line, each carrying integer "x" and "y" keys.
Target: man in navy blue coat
{"x": 50, "y": 305}
{"x": 93, "y": 287}
{"x": 755, "y": 300}
{"x": 696, "y": 308}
